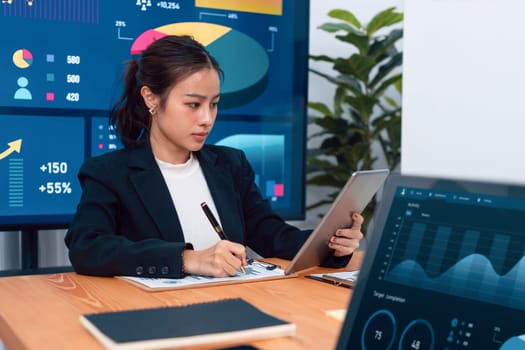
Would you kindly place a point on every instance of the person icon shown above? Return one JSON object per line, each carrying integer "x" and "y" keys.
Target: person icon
{"x": 23, "y": 92}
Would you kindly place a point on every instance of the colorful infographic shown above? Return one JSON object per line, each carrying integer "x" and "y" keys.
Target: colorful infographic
{"x": 93, "y": 39}
{"x": 62, "y": 67}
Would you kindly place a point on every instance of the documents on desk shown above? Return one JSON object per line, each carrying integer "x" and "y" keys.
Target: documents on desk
{"x": 222, "y": 321}
{"x": 343, "y": 278}
{"x": 255, "y": 271}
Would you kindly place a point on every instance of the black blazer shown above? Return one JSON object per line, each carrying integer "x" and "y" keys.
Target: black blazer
{"x": 126, "y": 223}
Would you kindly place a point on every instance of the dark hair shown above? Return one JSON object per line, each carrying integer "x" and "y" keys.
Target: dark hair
{"x": 162, "y": 65}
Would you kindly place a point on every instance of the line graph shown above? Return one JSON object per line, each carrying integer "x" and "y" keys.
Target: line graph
{"x": 471, "y": 262}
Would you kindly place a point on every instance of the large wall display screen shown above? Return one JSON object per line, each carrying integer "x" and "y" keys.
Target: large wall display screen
{"x": 62, "y": 63}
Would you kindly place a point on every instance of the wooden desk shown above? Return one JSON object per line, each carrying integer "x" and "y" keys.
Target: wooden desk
{"x": 42, "y": 311}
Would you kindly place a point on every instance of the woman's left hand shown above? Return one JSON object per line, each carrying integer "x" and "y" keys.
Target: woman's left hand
{"x": 346, "y": 240}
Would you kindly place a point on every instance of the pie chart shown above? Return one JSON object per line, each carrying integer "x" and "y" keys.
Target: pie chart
{"x": 243, "y": 60}
{"x": 22, "y": 58}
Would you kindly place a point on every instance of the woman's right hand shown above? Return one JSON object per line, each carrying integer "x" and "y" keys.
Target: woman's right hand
{"x": 223, "y": 259}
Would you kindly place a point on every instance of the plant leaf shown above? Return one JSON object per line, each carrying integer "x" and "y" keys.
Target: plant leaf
{"x": 383, "y": 19}
{"x": 359, "y": 40}
{"x": 339, "y": 98}
{"x": 385, "y": 84}
{"x": 320, "y": 107}
{"x": 350, "y": 83}
{"x": 322, "y": 58}
{"x": 391, "y": 102}
{"x": 346, "y": 16}
{"x": 381, "y": 46}
{"x": 357, "y": 65}
{"x": 336, "y": 27}
{"x": 363, "y": 105}
{"x": 385, "y": 69}
{"x": 329, "y": 78}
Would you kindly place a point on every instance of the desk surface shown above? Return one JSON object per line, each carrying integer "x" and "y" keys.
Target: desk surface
{"x": 42, "y": 311}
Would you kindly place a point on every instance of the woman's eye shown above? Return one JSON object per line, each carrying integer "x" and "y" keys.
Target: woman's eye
{"x": 194, "y": 105}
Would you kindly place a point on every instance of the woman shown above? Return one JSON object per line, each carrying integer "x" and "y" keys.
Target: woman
{"x": 140, "y": 213}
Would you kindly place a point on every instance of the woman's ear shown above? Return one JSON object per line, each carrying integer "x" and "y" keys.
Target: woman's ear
{"x": 150, "y": 99}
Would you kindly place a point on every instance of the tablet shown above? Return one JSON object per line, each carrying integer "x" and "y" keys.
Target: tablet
{"x": 353, "y": 198}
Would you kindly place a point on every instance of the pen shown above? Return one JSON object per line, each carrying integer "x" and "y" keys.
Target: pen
{"x": 215, "y": 224}
{"x": 212, "y": 220}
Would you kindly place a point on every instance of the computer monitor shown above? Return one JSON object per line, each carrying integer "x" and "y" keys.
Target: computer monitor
{"x": 444, "y": 269}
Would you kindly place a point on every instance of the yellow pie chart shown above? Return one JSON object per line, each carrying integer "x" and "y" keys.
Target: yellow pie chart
{"x": 244, "y": 61}
{"x": 23, "y": 58}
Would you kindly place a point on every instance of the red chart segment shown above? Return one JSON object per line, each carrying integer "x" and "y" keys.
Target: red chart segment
{"x": 22, "y": 58}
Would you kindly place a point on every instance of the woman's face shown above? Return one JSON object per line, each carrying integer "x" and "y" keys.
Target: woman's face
{"x": 184, "y": 123}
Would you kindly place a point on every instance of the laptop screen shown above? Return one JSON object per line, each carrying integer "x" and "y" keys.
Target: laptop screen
{"x": 444, "y": 269}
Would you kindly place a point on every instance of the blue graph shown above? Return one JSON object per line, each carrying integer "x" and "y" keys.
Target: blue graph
{"x": 473, "y": 264}
{"x": 266, "y": 154}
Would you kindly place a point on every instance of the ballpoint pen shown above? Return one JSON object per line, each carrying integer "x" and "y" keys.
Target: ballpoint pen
{"x": 215, "y": 224}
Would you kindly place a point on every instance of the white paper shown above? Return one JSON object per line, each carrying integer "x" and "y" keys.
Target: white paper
{"x": 255, "y": 270}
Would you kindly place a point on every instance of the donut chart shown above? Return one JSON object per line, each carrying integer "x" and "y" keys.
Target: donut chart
{"x": 23, "y": 58}
{"x": 243, "y": 60}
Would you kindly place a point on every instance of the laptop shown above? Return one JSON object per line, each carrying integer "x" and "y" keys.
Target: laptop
{"x": 358, "y": 191}
{"x": 444, "y": 269}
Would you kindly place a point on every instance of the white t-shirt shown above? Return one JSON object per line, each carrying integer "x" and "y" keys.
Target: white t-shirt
{"x": 188, "y": 189}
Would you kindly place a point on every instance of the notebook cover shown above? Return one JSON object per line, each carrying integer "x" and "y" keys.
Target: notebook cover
{"x": 196, "y": 324}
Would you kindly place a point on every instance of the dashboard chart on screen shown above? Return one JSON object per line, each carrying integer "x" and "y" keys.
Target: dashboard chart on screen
{"x": 445, "y": 269}
{"x": 62, "y": 64}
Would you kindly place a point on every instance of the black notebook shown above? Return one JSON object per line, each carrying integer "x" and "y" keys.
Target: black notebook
{"x": 223, "y": 321}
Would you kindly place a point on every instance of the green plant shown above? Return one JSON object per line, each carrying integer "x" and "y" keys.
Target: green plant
{"x": 363, "y": 114}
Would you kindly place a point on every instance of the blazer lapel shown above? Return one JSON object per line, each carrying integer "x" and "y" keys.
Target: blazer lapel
{"x": 153, "y": 192}
{"x": 223, "y": 190}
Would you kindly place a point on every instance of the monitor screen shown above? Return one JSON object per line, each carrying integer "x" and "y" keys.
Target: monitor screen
{"x": 62, "y": 66}
{"x": 444, "y": 269}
